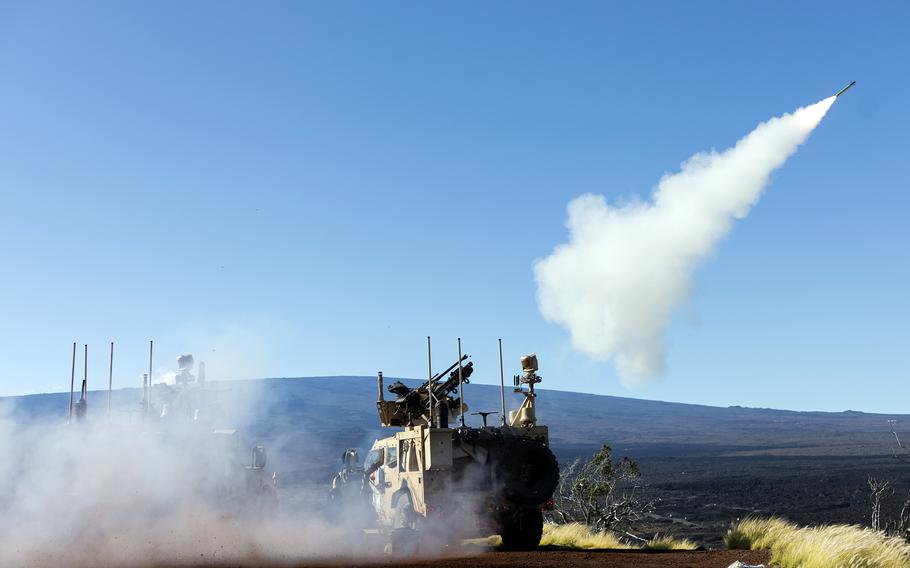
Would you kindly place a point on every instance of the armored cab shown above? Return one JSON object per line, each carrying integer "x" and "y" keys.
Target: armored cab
{"x": 432, "y": 481}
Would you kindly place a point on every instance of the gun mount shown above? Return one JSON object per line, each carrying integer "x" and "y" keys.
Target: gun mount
{"x": 431, "y": 403}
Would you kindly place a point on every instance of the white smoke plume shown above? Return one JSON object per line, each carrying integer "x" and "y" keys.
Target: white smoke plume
{"x": 147, "y": 492}
{"x": 625, "y": 269}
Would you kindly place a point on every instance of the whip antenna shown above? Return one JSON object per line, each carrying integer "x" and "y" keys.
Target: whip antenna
{"x": 502, "y": 386}
{"x": 110, "y": 382}
{"x": 69, "y": 414}
{"x": 460, "y": 384}
{"x": 148, "y": 399}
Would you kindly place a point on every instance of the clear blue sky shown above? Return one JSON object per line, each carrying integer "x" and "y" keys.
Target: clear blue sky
{"x": 291, "y": 189}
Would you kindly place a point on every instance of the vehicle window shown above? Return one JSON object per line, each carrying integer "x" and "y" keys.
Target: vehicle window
{"x": 373, "y": 461}
{"x": 391, "y": 457}
{"x": 409, "y": 456}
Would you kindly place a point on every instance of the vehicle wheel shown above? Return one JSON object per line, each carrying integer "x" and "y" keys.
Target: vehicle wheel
{"x": 403, "y": 542}
{"x": 403, "y": 539}
{"x": 527, "y": 471}
{"x": 267, "y": 502}
{"x": 333, "y": 505}
{"x": 523, "y": 530}
{"x": 405, "y": 517}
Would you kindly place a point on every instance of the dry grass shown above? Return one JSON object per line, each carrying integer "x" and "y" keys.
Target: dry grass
{"x": 836, "y": 546}
{"x": 579, "y": 536}
{"x": 669, "y": 543}
{"x": 757, "y": 534}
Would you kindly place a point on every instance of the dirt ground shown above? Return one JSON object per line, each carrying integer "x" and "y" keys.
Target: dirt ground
{"x": 557, "y": 558}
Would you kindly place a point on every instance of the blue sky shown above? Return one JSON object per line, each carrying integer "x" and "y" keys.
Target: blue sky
{"x": 291, "y": 189}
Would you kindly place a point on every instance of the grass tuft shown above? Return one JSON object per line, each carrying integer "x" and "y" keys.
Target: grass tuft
{"x": 579, "y": 536}
{"x": 819, "y": 547}
{"x": 755, "y": 534}
{"x": 669, "y": 543}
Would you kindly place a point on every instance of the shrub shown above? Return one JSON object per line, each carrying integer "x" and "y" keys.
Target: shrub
{"x": 600, "y": 492}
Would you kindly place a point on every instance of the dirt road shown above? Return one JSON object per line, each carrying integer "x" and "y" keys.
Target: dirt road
{"x": 581, "y": 559}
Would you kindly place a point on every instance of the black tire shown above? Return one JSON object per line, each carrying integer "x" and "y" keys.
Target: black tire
{"x": 523, "y": 530}
{"x": 333, "y": 505}
{"x": 267, "y": 502}
{"x": 405, "y": 517}
{"x": 526, "y": 472}
{"x": 403, "y": 539}
{"x": 403, "y": 542}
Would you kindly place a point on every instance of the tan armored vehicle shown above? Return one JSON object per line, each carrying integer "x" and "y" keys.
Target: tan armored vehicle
{"x": 431, "y": 481}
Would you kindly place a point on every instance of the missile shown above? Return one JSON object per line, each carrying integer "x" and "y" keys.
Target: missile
{"x": 844, "y": 90}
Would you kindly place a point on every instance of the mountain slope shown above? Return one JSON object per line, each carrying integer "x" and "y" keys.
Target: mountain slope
{"x": 706, "y": 465}
{"x": 342, "y": 410}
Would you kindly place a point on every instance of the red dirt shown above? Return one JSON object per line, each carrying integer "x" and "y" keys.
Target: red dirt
{"x": 556, "y": 558}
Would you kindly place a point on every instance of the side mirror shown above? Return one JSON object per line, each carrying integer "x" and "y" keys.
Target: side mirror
{"x": 259, "y": 457}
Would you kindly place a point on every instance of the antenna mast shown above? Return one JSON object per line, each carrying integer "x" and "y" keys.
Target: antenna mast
{"x": 430, "y": 383}
{"x": 110, "y": 383}
{"x": 82, "y": 403}
{"x": 148, "y": 399}
{"x": 460, "y": 385}
{"x": 69, "y": 415}
{"x": 502, "y": 386}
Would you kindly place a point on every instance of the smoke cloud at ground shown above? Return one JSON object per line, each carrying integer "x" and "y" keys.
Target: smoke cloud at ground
{"x": 625, "y": 269}
{"x": 140, "y": 491}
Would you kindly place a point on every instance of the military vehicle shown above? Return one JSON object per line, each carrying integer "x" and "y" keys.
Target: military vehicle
{"x": 348, "y": 502}
{"x": 431, "y": 481}
{"x": 185, "y": 411}
{"x": 182, "y": 414}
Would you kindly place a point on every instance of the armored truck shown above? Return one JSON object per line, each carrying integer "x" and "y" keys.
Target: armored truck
{"x": 434, "y": 481}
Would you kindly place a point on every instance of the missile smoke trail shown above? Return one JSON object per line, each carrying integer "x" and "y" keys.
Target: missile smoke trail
{"x": 625, "y": 269}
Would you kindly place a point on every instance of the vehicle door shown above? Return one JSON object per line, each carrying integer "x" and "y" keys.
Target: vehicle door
{"x": 373, "y": 466}
{"x": 390, "y": 475}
